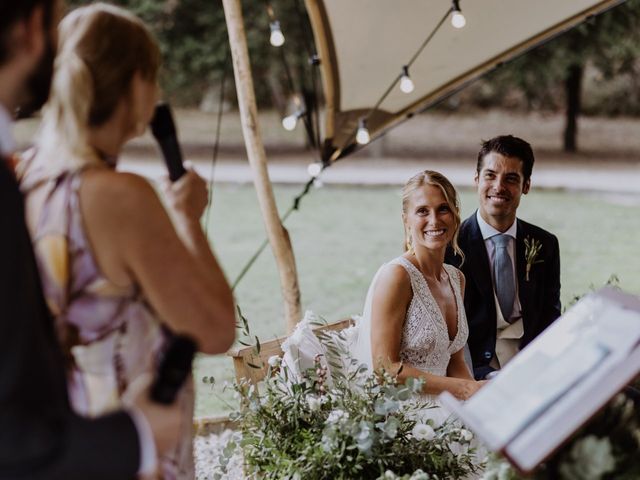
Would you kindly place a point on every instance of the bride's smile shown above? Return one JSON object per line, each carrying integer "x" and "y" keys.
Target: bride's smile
{"x": 435, "y": 233}
{"x": 429, "y": 220}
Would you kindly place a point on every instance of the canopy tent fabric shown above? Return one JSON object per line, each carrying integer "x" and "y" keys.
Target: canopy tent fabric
{"x": 363, "y": 45}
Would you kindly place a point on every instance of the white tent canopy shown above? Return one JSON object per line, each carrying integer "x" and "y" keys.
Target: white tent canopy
{"x": 363, "y": 45}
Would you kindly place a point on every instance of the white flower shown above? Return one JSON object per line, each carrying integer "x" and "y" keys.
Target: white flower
{"x": 592, "y": 458}
{"x": 419, "y": 475}
{"x": 422, "y": 431}
{"x": 457, "y": 449}
{"x": 274, "y": 361}
{"x": 337, "y": 415}
{"x": 466, "y": 435}
{"x": 314, "y": 403}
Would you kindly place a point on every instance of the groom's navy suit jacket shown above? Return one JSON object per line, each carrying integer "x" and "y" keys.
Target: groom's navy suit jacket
{"x": 539, "y": 296}
{"x": 40, "y": 436}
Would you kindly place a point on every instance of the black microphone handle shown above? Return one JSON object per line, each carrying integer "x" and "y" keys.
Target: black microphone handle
{"x": 172, "y": 156}
{"x": 174, "y": 369}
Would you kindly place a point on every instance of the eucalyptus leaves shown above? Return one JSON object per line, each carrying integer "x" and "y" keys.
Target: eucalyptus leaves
{"x": 355, "y": 426}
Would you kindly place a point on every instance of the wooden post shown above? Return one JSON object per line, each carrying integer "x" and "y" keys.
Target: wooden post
{"x": 277, "y": 234}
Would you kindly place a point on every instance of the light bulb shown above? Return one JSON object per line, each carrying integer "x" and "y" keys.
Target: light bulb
{"x": 458, "y": 20}
{"x": 277, "y": 38}
{"x": 314, "y": 169}
{"x": 406, "y": 84}
{"x": 362, "y": 136}
{"x": 290, "y": 121}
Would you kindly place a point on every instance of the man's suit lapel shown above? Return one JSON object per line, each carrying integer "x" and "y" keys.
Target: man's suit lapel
{"x": 479, "y": 260}
{"x": 524, "y": 286}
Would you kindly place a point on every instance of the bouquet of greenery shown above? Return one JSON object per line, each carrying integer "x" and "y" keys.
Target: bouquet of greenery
{"x": 357, "y": 425}
{"x": 358, "y": 428}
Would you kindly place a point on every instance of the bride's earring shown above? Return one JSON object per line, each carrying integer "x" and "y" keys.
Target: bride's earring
{"x": 409, "y": 246}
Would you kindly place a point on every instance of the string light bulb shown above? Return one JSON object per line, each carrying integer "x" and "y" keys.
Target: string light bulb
{"x": 277, "y": 38}
{"x": 406, "y": 84}
{"x": 457, "y": 18}
{"x": 290, "y": 121}
{"x": 314, "y": 169}
{"x": 362, "y": 135}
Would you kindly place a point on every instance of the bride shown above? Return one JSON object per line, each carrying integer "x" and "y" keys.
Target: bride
{"x": 414, "y": 320}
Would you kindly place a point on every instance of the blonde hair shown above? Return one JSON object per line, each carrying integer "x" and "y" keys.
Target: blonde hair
{"x": 102, "y": 47}
{"x": 436, "y": 179}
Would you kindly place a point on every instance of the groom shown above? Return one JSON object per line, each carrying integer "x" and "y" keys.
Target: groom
{"x": 512, "y": 267}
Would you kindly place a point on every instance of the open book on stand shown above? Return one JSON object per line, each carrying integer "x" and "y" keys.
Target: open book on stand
{"x": 559, "y": 381}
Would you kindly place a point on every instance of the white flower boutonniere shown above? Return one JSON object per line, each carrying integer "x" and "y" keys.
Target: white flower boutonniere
{"x": 532, "y": 248}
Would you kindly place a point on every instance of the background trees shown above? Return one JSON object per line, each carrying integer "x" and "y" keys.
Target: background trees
{"x": 592, "y": 69}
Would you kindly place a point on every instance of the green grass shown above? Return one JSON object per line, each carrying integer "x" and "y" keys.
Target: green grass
{"x": 342, "y": 235}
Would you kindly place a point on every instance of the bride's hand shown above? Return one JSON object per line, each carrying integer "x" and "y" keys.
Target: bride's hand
{"x": 466, "y": 388}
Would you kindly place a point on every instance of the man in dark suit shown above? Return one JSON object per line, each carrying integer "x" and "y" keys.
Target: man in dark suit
{"x": 512, "y": 267}
{"x": 40, "y": 436}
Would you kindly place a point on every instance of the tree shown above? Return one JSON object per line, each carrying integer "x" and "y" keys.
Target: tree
{"x": 610, "y": 43}
{"x": 193, "y": 39}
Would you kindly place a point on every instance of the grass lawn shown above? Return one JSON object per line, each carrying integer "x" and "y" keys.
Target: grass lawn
{"x": 342, "y": 235}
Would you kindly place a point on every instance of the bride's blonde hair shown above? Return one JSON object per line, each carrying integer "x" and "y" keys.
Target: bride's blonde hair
{"x": 436, "y": 179}
{"x": 101, "y": 48}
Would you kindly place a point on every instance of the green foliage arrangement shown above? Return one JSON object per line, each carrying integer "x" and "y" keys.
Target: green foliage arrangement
{"x": 338, "y": 421}
{"x": 359, "y": 427}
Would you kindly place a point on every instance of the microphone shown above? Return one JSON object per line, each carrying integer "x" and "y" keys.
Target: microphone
{"x": 164, "y": 131}
{"x": 175, "y": 365}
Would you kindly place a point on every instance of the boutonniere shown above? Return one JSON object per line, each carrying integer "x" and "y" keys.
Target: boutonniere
{"x": 532, "y": 248}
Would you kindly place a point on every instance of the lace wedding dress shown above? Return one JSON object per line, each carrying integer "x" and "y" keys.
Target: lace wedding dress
{"x": 425, "y": 342}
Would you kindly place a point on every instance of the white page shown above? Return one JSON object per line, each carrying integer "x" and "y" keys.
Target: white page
{"x": 591, "y": 337}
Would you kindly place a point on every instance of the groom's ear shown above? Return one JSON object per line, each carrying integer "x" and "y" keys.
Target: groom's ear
{"x": 526, "y": 186}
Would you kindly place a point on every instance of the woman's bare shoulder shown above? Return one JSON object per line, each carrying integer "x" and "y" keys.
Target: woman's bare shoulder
{"x": 394, "y": 281}
{"x": 125, "y": 195}
{"x": 117, "y": 186}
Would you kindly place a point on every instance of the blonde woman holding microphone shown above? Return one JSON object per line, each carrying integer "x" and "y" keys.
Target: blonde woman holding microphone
{"x": 118, "y": 271}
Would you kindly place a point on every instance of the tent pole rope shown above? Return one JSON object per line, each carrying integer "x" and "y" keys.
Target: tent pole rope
{"x": 216, "y": 144}
{"x": 295, "y": 206}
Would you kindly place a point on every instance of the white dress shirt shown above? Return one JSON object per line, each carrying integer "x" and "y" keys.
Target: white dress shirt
{"x": 508, "y": 334}
{"x": 7, "y": 143}
{"x": 148, "y": 454}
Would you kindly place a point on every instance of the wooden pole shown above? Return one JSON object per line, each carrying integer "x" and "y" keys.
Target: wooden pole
{"x": 277, "y": 234}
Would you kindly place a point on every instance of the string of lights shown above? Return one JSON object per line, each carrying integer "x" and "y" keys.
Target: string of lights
{"x": 362, "y": 134}
{"x": 289, "y": 122}
{"x": 295, "y": 206}
{"x": 406, "y": 84}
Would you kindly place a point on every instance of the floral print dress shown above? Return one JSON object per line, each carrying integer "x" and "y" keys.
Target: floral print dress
{"x": 109, "y": 334}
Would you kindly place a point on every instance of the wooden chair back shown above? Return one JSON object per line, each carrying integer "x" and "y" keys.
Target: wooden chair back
{"x": 250, "y": 365}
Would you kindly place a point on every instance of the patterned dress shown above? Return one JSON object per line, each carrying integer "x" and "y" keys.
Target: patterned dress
{"x": 110, "y": 334}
